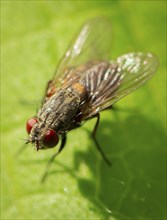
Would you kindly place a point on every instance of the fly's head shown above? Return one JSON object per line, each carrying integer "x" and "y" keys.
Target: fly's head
{"x": 40, "y": 135}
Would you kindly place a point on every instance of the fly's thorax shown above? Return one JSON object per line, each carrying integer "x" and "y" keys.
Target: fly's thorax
{"x": 60, "y": 110}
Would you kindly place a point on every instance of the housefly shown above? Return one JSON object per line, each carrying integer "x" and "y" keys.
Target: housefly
{"x": 85, "y": 83}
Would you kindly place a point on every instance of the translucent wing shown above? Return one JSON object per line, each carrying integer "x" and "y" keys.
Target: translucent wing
{"x": 107, "y": 82}
{"x": 93, "y": 43}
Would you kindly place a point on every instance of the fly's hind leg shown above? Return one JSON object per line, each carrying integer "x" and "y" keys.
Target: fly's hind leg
{"x": 96, "y": 142}
{"x": 63, "y": 142}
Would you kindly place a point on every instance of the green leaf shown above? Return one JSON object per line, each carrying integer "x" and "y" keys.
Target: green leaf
{"x": 34, "y": 35}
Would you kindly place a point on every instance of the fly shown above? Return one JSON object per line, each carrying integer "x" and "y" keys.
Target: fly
{"x": 85, "y": 83}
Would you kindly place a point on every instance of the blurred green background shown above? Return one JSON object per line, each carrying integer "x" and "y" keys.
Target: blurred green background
{"x": 34, "y": 35}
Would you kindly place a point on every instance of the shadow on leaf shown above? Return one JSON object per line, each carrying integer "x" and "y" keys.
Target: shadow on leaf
{"x": 134, "y": 182}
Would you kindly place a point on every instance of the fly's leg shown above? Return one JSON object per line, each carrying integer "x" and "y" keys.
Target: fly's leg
{"x": 63, "y": 142}
{"x": 96, "y": 142}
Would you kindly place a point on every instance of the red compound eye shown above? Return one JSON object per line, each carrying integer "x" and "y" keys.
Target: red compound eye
{"x": 51, "y": 139}
{"x": 30, "y": 123}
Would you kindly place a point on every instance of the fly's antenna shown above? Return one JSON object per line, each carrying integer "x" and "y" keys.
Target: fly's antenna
{"x": 37, "y": 144}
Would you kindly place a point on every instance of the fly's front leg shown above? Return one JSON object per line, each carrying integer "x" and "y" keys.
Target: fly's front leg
{"x": 96, "y": 142}
{"x": 63, "y": 142}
